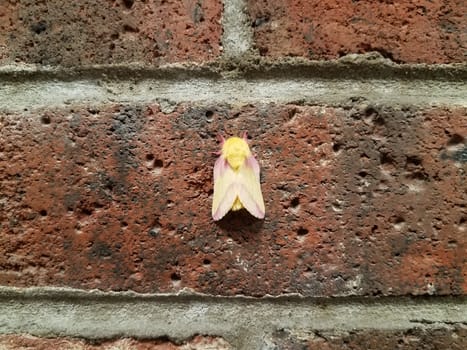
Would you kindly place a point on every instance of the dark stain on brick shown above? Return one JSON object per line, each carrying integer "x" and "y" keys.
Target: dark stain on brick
{"x": 107, "y": 185}
{"x": 202, "y": 120}
{"x": 70, "y": 200}
{"x": 126, "y": 125}
{"x": 101, "y": 250}
{"x": 198, "y": 15}
{"x": 86, "y": 33}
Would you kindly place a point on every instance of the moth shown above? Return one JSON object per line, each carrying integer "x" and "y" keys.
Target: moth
{"x": 236, "y": 179}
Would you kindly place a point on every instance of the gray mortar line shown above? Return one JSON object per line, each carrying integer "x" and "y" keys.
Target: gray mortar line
{"x": 32, "y": 95}
{"x": 244, "y": 322}
{"x": 237, "y": 37}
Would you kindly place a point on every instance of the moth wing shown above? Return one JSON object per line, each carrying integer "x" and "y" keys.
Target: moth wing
{"x": 225, "y": 189}
{"x": 249, "y": 188}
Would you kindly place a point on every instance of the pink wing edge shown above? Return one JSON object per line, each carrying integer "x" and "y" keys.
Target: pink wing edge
{"x": 220, "y": 166}
{"x": 253, "y": 163}
{"x": 245, "y": 197}
{"x": 225, "y": 204}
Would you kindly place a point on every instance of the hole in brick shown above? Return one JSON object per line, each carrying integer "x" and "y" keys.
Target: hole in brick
{"x": 372, "y": 116}
{"x": 399, "y": 223}
{"x": 455, "y": 143}
{"x": 362, "y": 174}
{"x": 175, "y": 277}
{"x": 206, "y": 262}
{"x": 45, "y": 119}
{"x": 128, "y": 3}
{"x": 385, "y": 158}
{"x": 379, "y": 120}
{"x": 259, "y": 21}
{"x": 43, "y": 212}
{"x": 153, "y": 164}
{"x": 263, "y": 51}
{"x": 209, "y": 115}
{"x": 336, "y": 147}
{"x": 154, "y": 232}
{"x": 455, "y": 140}
{"x": 413, "y": 160}
{"x": 302, "y": 231}
{"x": 369, "y": 111}
{"x": 39, "y": 27}
{"x": 374, "y": 228}
{"x": 291, "y": 113}
{"x": 87, "y": 211}
{"x": 158, "y": 163}
{"x": 130, "y": 28}
{"x": 124, "y": 224}
{"x": 337, "y": 205}
{"x": 461, "y": 226}
{"x": 341, "y": 53}
{"x": 295, "y": 202}
{"x": 418, "y": 175}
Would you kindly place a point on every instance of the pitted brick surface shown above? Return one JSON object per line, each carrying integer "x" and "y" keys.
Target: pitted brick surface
{"x": 360, "y": 200}
{"x": 10, "y": 342}
{"x": 75, "y": 33}
{"x": 405, "y": 31}
{"x": 416, "y": 339}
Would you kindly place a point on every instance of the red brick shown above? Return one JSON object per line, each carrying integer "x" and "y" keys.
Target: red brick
{"x": 10, "y": 342}
{"x": 416, "y": 339}
{"x": 405, "y": 31}
{"x": 74, "y": 33}
{"x": 360, "y": 200}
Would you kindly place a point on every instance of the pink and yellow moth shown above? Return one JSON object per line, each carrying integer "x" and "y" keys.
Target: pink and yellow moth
{"x": 236, "y": 180}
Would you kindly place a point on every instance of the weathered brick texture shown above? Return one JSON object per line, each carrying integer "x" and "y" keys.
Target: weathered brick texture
{"x": 74, "y": 33}
{"x": 405, "y": 31}
{"x": 412, "y": 339}
{"x": 10, "y": 342}
{"x": 360, "y": 200}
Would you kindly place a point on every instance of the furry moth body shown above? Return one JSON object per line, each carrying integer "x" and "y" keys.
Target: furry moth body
{"x": 236, "y": 180}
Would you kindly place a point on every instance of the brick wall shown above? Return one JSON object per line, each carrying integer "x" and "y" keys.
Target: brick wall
{"x": 109, "y": 111}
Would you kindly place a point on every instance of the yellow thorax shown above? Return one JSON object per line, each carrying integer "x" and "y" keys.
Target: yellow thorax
{"x": 235, "y": 150}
